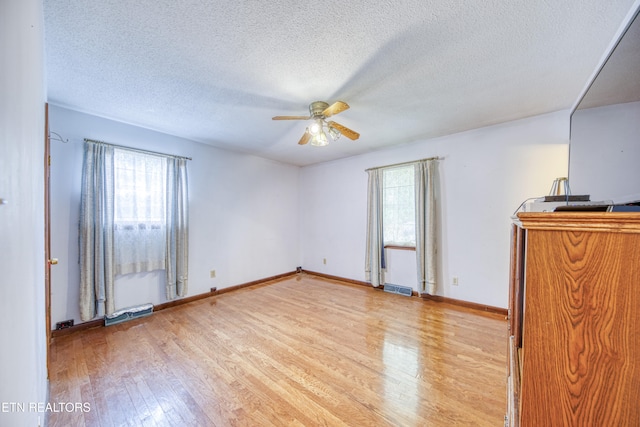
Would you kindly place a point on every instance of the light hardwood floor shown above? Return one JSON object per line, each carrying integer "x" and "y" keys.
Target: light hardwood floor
{"x": 299, "y": 351}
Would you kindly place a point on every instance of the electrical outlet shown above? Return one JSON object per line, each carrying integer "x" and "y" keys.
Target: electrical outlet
{"x": 64, "y": 324}
{"x": 212, "y": 274}
{"x": 454, "y": 281}
{"x": 324, "y": 260}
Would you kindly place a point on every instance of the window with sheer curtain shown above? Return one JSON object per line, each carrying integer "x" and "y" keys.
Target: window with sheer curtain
{"x": 139, "y": 211}
{"x": 399, "y": 211}
{"x": 134, "y": 217}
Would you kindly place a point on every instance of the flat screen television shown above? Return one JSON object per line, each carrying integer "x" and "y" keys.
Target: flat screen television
{"x": 604, "y": 149}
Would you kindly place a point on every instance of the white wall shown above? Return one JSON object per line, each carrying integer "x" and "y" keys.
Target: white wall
{"x": 23, "y": 376}
{"x": 485, "y": 175}
{"x": 605, "y": 150}
{"x": 242, "y": 211}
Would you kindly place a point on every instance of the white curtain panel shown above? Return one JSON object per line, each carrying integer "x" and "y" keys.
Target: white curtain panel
{"x": 177, "y": 225}
{"x": 374, "y": 258}
{"x": 426, "y": 245}
{"x": 140, "y": 225}
{"x": 96, "y": 232}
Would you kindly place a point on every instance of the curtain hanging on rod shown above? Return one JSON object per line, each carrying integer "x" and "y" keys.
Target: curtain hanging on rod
{"x": 103, "y": 249}
{"x": 425, "y": 188}
{"x": 375, "y": 264}
{"x": 426, "y": 226}
{"x": 97, "y": 233}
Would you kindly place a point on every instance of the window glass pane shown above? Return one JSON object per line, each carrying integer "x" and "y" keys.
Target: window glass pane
{"x": 399, "y": 206}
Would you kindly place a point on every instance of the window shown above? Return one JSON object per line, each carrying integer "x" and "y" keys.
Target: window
{"x": 399, "y": 217}
{"x": 134, "y": 217}
{"x": 139, "y": 211}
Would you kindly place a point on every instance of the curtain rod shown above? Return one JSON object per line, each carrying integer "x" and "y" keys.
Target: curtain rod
{"x": 405, "y": 163}
{"x": 138, "y": 149}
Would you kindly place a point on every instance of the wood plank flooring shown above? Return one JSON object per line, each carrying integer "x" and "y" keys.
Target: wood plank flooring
{"x": 299, "y": 351}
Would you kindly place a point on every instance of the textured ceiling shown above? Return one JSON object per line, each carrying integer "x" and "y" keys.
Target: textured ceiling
{"x": 217, "y": 71}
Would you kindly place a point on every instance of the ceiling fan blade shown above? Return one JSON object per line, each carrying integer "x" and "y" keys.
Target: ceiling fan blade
{"x": 335, "y": 108}
{"x": 291, "y": 118}
{"x": 305, "y": 138}
{"x": 345, "y": 130}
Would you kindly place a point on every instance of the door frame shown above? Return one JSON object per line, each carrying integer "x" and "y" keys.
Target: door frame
{"x": 47, "y": 233}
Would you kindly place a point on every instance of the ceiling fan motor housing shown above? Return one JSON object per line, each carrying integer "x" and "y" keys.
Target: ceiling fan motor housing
{"x": 316, "y": 108}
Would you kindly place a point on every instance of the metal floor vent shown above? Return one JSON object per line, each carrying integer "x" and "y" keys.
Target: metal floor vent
{"x": 128, "y": 314}
{"x": 397, "y": 289}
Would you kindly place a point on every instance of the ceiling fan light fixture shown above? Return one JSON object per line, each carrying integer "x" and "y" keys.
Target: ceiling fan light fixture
{"x": 315, "y": 128}
{"x": 320, "y": 140}
{"x": 334, "y": 133}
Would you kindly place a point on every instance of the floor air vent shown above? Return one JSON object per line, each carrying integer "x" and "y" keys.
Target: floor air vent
{"x": 128, "y": 314}
{"x": 397, "y": 289}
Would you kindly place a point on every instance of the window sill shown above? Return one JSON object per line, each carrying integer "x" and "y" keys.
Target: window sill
{"x": 402, "y": 248}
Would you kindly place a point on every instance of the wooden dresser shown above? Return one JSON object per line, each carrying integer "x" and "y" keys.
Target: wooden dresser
{"x": 574, "y": 320}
